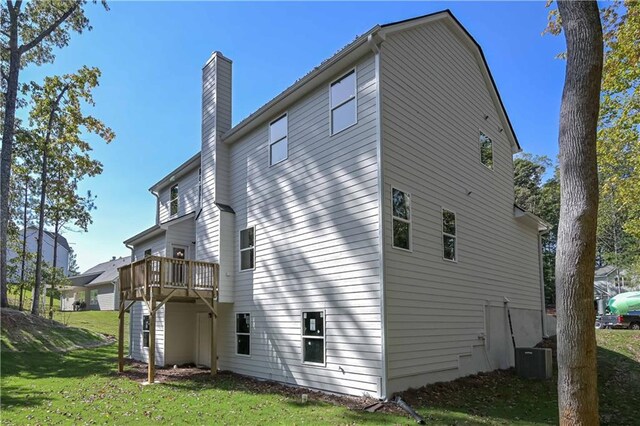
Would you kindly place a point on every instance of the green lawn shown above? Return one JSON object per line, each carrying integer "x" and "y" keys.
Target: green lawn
{"x": 82, "y": 387}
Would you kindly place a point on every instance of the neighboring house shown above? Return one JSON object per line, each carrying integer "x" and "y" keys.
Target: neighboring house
{"x": 608, "y": 281}
{"x": 363, "y": 223}
{"x": 98, "y": 287}
{"x": 62, "y": 260}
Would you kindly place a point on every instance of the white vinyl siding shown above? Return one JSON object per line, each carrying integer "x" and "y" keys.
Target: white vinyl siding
{"x": 317, "y": 249}
{"x": 188, "y": 196}
{"x": 156, "y": 244}
{"x": 138, "y": 351}
{"x": 434, "y": 100}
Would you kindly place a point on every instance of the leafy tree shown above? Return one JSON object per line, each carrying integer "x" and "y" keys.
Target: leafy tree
{"x": 576, "y": 247}
{"x": 543, "y": 200}
{"x": 59, "y": 124}
{"x": 73, "y": 263}
{"x": 28, "y": 35}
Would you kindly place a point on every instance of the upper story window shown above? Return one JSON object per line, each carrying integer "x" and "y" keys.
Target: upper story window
{"x": 147, "y": 253}
{"x": 401, "y": 205}
{"x": 173, "y": 206}
{"x": 247, "y": 249}
{"x": 486, "y": 150}
{"x": 343, "y": 103}
{"x": 449, "y": 235}
{"x": 278, "y": 144}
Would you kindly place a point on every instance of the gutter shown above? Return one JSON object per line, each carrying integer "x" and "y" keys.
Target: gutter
{"x": 157, "y": 195}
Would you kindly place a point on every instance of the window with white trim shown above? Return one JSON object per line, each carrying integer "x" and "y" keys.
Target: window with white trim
{"x": 343, "y": 103}
{"x": 313, "y": 337}
{"x": 449, "y": 235}
{"x": 486, "y": 151}
{"x": 93, "y": 297}
{"x": 173, "y": 207}
{"x": 243, "y": 334}
{"x": 248, "y": 249}
{"x": 278, "y": 140}
{"x": 401, "y": 211}
{"x": 145, "y": 331}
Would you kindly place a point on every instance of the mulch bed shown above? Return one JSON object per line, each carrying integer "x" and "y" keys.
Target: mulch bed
{"x": 137, "y": 371}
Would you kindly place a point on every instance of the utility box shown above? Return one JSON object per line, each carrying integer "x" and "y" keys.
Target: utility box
{"x": 534, "y": 363}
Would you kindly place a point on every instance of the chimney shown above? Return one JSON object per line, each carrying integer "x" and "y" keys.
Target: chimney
{"x": 113, "y": 258}
{"x": 216, "y": 120}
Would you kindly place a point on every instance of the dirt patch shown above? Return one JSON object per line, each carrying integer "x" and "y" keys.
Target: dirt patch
{"x": 23, "y": 332}
{"x": 138, "y": 371}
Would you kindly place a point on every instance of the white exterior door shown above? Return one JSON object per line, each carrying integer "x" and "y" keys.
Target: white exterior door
{"x": 203, "y": 340}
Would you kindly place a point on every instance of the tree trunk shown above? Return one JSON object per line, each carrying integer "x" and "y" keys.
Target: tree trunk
{"x": 575, "y": 261}
{"x": 43, "y": 197}
{"x": 24, "y": 242}
{"x": 56, "y": 230}
{"x": 8, "y": 129}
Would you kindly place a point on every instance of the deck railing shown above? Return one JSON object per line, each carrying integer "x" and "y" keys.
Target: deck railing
{"x": 170, "y": 273}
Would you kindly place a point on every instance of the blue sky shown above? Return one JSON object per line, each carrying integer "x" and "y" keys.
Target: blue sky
{"x": 151, "y": 55}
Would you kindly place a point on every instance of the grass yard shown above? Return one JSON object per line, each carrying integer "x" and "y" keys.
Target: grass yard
{"x": 81, "y": 386}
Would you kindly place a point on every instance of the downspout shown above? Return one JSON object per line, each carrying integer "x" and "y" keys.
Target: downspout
{"x": 374, "y": 46}
{"x": 157, "y": 212}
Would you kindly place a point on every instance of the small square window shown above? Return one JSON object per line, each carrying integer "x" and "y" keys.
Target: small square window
{"x": 486, "y": 150}
{"x": 313, "y": 340}
{"x": 401, "y": 211}
{"x": 147, "y": 253}
{"x": 247, "y": 249}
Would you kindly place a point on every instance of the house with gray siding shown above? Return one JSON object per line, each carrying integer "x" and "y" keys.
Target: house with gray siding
{"x": 361, "y": 224}
{"x": 97, "y": 289}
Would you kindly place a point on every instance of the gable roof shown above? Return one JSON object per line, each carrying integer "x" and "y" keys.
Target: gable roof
{"x": 62, "y": 241}
{"x": 355, "y": 49}
{"x": 102, "y": 273}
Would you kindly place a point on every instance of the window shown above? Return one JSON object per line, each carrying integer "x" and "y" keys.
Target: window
{"x": 173, "y": 209}
{"x": 486, "y": 150}
{"x": 93, "y": 297}
{"x": 449, "y": 234}
{"x": 200, "y": 187}
{"x": 401, "y": 205}
{"x": 145, "y": 331}
{"x": 247, "y": 249}
{"x": 313, "y": 337}
{"x": 243, "y": 334}
{"x": 147, "y": 253}
{"x": 278, "y": 145}
{"x": 343, "y": 103}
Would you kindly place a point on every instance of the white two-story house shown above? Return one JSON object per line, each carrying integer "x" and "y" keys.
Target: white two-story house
{"x": 361, "y": 225}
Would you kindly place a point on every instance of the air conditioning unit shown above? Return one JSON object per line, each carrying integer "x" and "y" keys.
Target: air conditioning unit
{"x": 534, "y": 363}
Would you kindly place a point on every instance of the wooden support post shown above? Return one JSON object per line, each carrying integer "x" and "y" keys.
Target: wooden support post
{"x": 121, "y": 335}
{"x": 214, "y": 343}
{"x": 152, "y": 340}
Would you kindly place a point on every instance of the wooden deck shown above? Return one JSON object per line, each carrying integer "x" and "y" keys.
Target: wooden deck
{"x": 155, "y": 281}
{"x": 166, "y": 277}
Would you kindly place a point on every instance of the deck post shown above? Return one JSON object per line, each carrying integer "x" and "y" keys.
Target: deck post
{"x": 152, "y": 339}
{"x": 214, "y": 343}
{"x": 121, "y": 334}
